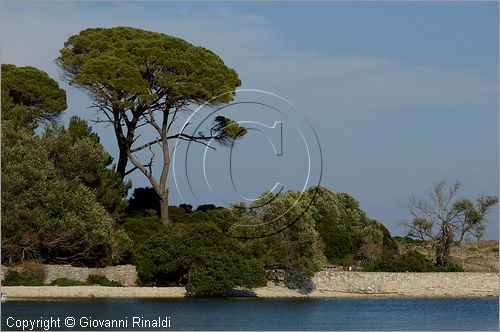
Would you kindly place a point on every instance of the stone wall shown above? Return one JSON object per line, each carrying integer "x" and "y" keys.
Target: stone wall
{"x": 333, "y": 282}
{"x": 124, "y": 274}
{"x": 444, "y": 283}
{"x": 440, "y": 284}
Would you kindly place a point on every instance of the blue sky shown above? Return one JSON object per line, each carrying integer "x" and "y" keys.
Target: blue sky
{"x": 401, "y": 95}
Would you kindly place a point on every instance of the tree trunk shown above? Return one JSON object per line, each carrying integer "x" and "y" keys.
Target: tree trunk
{"x": 121, "y": 167}
{"x": 124, "y": 140}
{"x": 164, "y": 208}
{"x": 443, "y": 247}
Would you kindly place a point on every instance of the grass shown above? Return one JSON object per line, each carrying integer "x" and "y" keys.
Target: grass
{"x": 95, "y": 279}
{"x": 65, "y": 282}
{"x": 14, "y": 278}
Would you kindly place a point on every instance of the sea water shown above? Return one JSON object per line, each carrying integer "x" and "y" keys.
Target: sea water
{"x": 253, "y": 314}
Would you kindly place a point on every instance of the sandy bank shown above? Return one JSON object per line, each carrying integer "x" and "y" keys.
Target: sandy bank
{"x": 337, "y": 284}
{"x": 34, "y": 292}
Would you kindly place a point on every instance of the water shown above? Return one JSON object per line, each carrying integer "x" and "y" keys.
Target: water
{"x": 270, "y": 314}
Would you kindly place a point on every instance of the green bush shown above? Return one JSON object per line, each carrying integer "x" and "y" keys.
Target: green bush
{"x": 412, "y": 261}
{"x": 494, "y": 249}
{"x": 344, "y": 226}
{"x": 195, "y": 255}
{"x": 14, "y": 278}
{"x": 449, "y": 268}
{"x": 64, "y": 282}
{"x": 141, "y": 228}
{"x": 407, "y": 240}
{"x": 95, "y": 279}
{"x": 50, "y": 184}
{"x": 217, "y": 271}
{"x": 160, "y": 260}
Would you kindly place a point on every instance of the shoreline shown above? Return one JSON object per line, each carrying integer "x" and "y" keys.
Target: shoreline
{"x": 324, "y": 284}
{"x": 26, "y": 293}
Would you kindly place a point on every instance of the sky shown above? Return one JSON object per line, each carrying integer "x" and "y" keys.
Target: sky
{"x": 379, "y": 100}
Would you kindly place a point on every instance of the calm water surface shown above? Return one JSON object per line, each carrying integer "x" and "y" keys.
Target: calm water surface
{"x": 271, "y": 314}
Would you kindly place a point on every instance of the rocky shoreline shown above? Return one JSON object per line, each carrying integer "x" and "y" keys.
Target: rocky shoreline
{"x": 322, "y": 285}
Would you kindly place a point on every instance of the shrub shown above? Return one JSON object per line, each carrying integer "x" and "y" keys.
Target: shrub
{"x": 407, "y": 240}
{"x": 50, "y": 211}
{"x": 35, "y": 268}
{"x": 141, "y": 228}
{"x": 412, "y": 261}
{"x": 160, "y": 260}
{"x": 95, "y": 279}
{"x": 449, "y": 268}
{"x": 64, "y": 282}
{"x": 195, "y": 255}
{"x": 494, "y": 249}
{"x": 344, "y": 226}
{"x": 24, "y": 278}
{"x": 217, "y": 271}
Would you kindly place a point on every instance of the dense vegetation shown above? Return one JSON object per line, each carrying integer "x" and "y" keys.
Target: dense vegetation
{"x": 23, "y": 278}
{"x": 64, "y": 200}
{"x": 27, "y": 278}
{"x": 60, "y": 201}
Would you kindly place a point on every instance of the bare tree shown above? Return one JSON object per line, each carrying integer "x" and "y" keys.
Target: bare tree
{"x": 370, "y": 251}
{"x": 440, "y": 217}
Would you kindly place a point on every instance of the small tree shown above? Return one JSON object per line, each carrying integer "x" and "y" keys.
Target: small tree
{"x": 136, "y": 78}
{"x": 449, "y": 216}
{"x": 370, "y": 251}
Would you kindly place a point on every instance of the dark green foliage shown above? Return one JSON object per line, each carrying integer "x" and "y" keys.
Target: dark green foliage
{"x": 293, "y": 243}
{"x": 140, "y": 228}
{"x": 132, "y": 70}
{"x": 95, "y": 279}
{"x": 188, "y": 208}
{"x": 412, "y": 261}
{"x": 29, "y": 96}
{"x": 207, "y": 207}
{"x": 338, "y": 242}
{"x": 80, "y": 157}
{"x": 111, "y": 192}
{"x": 144, "y": 199}
{"x": 46, "y": 216}
{"x": 178, "y": 214}
{"x": 220, "y": 216}
{"x": 127, "y": 60}
{"x": 223, "y": 269}
{"x": 161, "y": 260}
{"x": 344, "y": 227}
{"x": 388, "y": 243}
{"x": 50, "y": 207}
{"x": 449, "y": 268}
{"x": 65, "y": 282}
{"x": 195, "y": 255}
{"x": 407, "y": 240}
{"x": 227, "y": 131}
{"x": 14, "y": 278}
